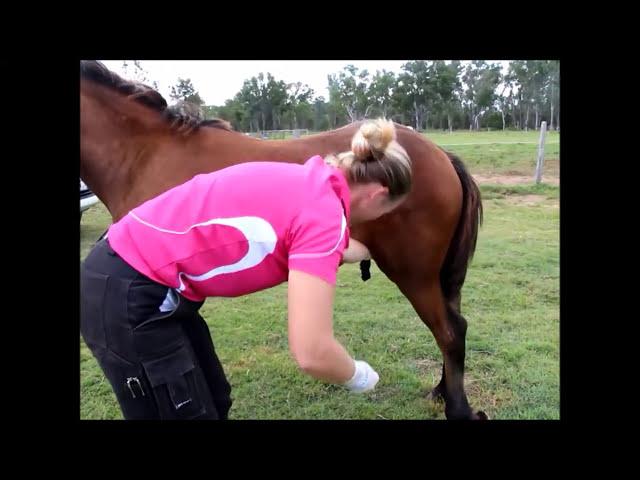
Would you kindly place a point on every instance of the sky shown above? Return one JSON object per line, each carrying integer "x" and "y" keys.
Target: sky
{"x": 219, "y": 80}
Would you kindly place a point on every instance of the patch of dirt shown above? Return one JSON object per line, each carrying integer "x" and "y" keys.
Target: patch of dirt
{"x": 426, "y": 365}
{"x": 513, "y": 179}
{"x": 526, "y": 200}
{"x": 431, "y": 369}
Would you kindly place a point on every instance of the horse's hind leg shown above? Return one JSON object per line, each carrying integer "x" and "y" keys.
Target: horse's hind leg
{"x": 449, "y": 329}
{"x": 460, "y": 325}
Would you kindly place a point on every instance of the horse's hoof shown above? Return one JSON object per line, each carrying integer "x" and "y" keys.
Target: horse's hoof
{"x": 435, "y": 395}
{"x": 466, "y": 414}
{"x": 480, "y": 415}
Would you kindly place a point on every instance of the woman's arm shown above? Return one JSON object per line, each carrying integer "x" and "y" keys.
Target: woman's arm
{"x": 311, "y": 341}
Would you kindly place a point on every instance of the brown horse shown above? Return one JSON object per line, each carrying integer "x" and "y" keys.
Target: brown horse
{"x": 132, "y": 148}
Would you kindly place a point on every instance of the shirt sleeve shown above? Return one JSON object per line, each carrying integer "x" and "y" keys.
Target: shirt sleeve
{"x": 319, "y": 235}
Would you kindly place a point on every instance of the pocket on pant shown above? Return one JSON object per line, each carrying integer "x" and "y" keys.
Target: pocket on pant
{"x": 130, "y": 386}
{"x": 93, "y": 287}
{"x": 176, "y": 384}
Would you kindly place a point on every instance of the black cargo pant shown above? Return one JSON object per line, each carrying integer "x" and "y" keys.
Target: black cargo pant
{"x": 161, "y": 365}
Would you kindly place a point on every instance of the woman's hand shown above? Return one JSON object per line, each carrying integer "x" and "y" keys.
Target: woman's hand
{"x": 356, "y": 252}
{"x": 364, "y": 379}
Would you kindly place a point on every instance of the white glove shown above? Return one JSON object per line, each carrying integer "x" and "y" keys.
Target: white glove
{"x": 364, "y": 378}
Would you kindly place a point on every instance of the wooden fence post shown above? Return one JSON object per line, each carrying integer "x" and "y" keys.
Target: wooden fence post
{"x": 540, "y": 162}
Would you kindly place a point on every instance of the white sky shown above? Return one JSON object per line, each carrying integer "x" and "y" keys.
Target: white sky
{"x": 219, "y": 80}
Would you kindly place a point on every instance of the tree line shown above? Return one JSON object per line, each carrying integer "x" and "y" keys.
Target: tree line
{"x": 438, "y": 94}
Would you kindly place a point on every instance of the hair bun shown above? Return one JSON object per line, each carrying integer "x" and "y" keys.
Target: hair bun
{"x": 372, "y": 139}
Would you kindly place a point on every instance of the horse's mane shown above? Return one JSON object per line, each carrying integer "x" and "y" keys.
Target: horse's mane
{"x": 144, "y": 94}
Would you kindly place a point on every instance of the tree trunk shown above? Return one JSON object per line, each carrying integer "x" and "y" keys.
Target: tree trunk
{"x": 520, "y": 118}
{"x": 415, "y": 109}
{"x": 552, "y": 104}
{"x": 503, "y": 122}
{"x": 537, "y": 117}
{"x": 351, "y": 112}
{"x": 449, "y": 122}
{"x": 520, "y": 123}
{"x": 526, "y": 124}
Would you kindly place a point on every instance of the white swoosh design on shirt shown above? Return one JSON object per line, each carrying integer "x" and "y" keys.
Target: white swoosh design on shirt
{"x": 260, "y": 236}
{"x": 343, "y": 226}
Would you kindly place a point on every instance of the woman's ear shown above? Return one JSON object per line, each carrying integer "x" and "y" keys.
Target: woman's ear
{"x": 379, "y": 191}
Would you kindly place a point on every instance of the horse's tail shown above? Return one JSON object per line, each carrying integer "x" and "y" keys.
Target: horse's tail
{"x": 463, "y": 244}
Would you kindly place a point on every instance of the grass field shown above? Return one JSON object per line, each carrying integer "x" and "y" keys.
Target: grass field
{"x": 507, "y": 153}
{"x": 501, "y": 153}
{"x": 510, "y": 298}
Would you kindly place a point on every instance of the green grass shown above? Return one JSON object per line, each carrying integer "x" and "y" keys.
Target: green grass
{"x": 483, "y": 153}
{"x": 497, "y": 152}
{"x": 510, "y": 298}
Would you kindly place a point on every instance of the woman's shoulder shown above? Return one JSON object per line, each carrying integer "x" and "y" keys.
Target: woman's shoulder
{"x": 319, "y": 176}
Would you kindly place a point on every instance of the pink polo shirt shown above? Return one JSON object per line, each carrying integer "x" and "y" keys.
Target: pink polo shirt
{"x": 240, "y": 229}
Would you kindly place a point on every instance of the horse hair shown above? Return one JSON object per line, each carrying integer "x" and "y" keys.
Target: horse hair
{"x": 144, "y": 94}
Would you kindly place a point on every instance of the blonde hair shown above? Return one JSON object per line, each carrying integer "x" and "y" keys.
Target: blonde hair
{"x": 376, "y": 156}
